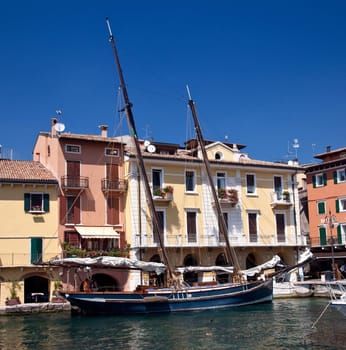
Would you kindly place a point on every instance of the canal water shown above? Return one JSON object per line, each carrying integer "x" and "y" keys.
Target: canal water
{"x": 284, "y": 324}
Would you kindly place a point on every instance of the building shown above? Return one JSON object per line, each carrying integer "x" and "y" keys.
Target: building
{"x": 326, "y": 188}
{"x": 92, "y": 188}
{"x": 259, "y": 200}
{"x": 28, "y": 231}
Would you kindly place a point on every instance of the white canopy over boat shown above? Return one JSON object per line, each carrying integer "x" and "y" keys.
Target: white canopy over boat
{"x": 111, "y": 261}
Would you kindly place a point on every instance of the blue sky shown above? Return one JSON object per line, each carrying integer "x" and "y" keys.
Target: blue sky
{"x": 261, "y": 72}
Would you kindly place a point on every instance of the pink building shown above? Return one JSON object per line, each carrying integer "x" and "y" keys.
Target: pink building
{"x": 90, "y": 172}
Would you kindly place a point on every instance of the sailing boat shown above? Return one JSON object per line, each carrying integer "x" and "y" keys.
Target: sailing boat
{"x": 175, "y": 297}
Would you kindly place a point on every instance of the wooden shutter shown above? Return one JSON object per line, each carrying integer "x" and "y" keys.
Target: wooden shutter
{"x": 321, "y": 208}
{"x": 335, "y": 174}
{"x": 26, "y": 202}
{"x": 46, "y": 202}
{"x": 313, "y": 181}
{"x": 337, "y": 208}
{"x": 339, "y": 234}
{"x": 323, "y": 236}
{"x": 324, "y": 179}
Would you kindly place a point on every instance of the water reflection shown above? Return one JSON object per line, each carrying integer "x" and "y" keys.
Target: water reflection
{"x": 285, "y": 324}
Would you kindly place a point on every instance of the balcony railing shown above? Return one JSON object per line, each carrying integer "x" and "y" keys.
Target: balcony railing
{"x": 74, "y": 182}
{"x": 116, "y": 185}
{"x": 281, "y": 198}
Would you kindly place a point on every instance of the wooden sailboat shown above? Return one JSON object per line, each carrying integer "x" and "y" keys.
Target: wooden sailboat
{"x": 174, "y": 297}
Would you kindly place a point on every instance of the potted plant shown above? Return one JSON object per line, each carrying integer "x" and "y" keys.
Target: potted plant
{"x": 14, "y": 299}
{"x": 286, "y": 196}
{"x": 57, "y": 298}
{"x": 168, "y": 192}
{"x": 233, "y": 195}
{"x": 221, "y": 193}
{"x": 158, "y": 193}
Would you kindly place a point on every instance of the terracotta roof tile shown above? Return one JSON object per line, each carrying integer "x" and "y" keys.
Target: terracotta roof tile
{"x": 24, "y": 171}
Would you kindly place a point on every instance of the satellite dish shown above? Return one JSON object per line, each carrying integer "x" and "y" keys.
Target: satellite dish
{"x": 146, "y": 143}
{"x": 59, "y": 127}
{"x": 151, "y": 148}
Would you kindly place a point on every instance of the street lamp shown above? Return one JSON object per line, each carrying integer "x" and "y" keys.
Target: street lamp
{"x": 331, "y": 222}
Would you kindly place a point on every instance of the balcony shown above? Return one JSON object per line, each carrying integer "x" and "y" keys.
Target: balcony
{"x": 163, "y": 194}
{"x": 116, "y": 185}
{"x": 74, "y": 182}
{"x": 282, "y": 199}
{"x": 227, "y": 197}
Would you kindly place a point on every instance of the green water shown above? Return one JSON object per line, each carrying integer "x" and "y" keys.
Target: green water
{"x": 285, "y": 324}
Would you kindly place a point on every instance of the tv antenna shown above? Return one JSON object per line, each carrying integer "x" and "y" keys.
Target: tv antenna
{"x": 59, "y": 127}
{"x": 296, "y": 146}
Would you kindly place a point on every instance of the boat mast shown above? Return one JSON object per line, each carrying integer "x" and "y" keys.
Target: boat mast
{"x": 140, "y": 163}
{"x": 231, "y": 256}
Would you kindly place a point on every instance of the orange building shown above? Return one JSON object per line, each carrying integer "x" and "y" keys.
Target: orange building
{"x": 90, "y": 172}
{"x": 326, "y": 187}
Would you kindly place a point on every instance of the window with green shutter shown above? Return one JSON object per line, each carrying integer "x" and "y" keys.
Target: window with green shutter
{"x": 321, "y": 207}
{"x": 36, "y": 202}
{"x": 323, "y": 236}
{"x": 324, "y": 179}
{"x": 339, "y": 234}
{"x": 36, "y": 250}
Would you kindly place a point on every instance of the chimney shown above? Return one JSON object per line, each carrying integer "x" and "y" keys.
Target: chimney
{"x": 53, "y": 123}
{"x": 328, "y": 149}
{"x": 104, "y": 129}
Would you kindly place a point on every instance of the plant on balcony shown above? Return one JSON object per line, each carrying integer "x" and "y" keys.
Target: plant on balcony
{"x": 158, "y": 192}
{"x": 286, "y": 195}
{"x": 221, "y": 193}
{"x": 168, "y": 189}
{"x": 232, "y": 195}
{"x": 83, "y": 253}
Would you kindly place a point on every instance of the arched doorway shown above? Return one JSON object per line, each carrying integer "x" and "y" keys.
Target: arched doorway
{"x": 190, "y": 277}
{"x": 101, "y": 282}
{"x": 222, "y": 261}
{"x": 36, "y": 289}
{"x": 156, "y": 280}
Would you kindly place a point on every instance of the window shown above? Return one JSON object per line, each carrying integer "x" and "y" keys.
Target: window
{"x": 321, "y": 207}
{"x": 36, "y": 250}
{"x": 156, "y": 176}
{"x": 319, "y": 180}
{"x": 113, "y": 212}
{"x": 221, "y": 236}
{"x": 112, "y": 152}
{"x": 190, "y": 181}
{"x": 250, "y": 184}
{"x": 73, "y": 210}
{"x": 280, "y": 227}
{"x": 221, "y": 180}
{"x": 36, "y": 202}
{"x": 72, "y": 148}
{"x": 252, "y": 222}
{"x": 342, "y": 233}
{"x": 191, "y": 226}
{"x": 323, "y": 235}
{"x": 72, "y": 238}
{"x": 340, "y": 176}
{"x": 160, "y": 214}
{"x": 278, "y": 187}
{"x": 340, "y": 205}
{"x": 218, "y": 156}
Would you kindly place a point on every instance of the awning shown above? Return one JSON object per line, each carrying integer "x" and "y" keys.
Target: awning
{"x": 88, "y": 232}
{"x": 328, "y": 255}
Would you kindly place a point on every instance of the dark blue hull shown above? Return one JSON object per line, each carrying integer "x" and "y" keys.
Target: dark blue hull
{"x": 167, "y": 300}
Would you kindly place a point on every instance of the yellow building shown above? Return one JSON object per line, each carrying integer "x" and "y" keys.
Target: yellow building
{"x": 259, "y": 201}
{"x": 28, "y": 231}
